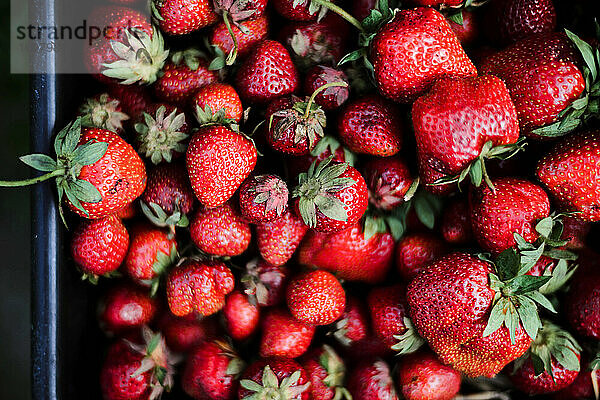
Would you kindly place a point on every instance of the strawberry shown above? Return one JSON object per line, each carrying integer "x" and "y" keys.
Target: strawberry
{"x": 180, "y": 17}
{"x": 104, "y": 112}
{"x": 263, "y": 198}
{"x": 128, "y": 212}
{"x": 389, "y": 181}
{"x": 583, "y": 301}
{"x": 220, "y": 231}
{"x": 267, "y": 73}
{"x": 182, "y": 334}
{"x": 316, "y": 297}
{"x": 218, "y": 161}
{"x": 415, "y": 251}
{"x": 241, "y": 316}
{"x": 99, "y": 246}
{"x": 300, "y": 10}
{"x": 247, "y": 34}
{"x": 217, "y": 102}
{"x": 571, "y": 174}
{"x": 211, "y": 371}
{"x": 198, "y": 287}
{"x": 283, "y": 335}
{"x": 357, "y": 258}
{"x": 333, "y": 96}
{"x": 265, "y": 283}
{"x": 422, "y": 376}
{"x": 326, "y": 372}
{"x": 330, "y": 197}
{"x": 327, "y": 146}
{"x": 280, "y": 378}
{"x": 575, "y": 231}
{"x": 462, "y": 121}
{"x": 456, "y": 223}
{"x": 371, "y": 380}
{"x": 125, "y": 308}
{"x": 514, "y": 207}
{"x": 466, "y": 28}
{"x": 182, "y": 76}
{"x": 583, "y": 387}
{"x": 353, "y": 326}
{"x": 371, "y": 125}
{"x": 133, "y": 99}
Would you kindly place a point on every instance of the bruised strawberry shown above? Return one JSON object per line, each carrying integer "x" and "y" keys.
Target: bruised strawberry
{"x": 241, "y": 316}
{"x": 247, "y": 34}
{"x": 277, "y": 377}
{"x": 103, "y": 111}
{"x": 456, "y": 223}
{"x": 180, "y": 17}
{"x": 334, "y": 96}
{"x": 327, "y": 372}
{"x": 371, "y": 380}
{"x": 283, "y": 335}
{"x": 422, "y": 376}
{"x": 220, "y": 231}
{"x": 263, "y": 198}
{"x": 575, "y": 231}
{"x": 508, "y": 21}
{"x": 316, "y": 298}
{"x": 388, "y": 180}
{"x": 125, "y": 308}
{"x": 416, "y": 251}
{"x": 217, "y": 102}
{"x": 265, "y": 282}
{"x": 182, "y": 334}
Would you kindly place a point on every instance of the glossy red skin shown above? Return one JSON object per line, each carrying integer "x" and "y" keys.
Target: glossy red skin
{"x": 128, "y": 212}
{"x": 198, "y": 287}
{"x": 415, "y": 251}
{"x": 371, "y": 380}
{"x": 388, "y": 308}
{"x": 218, "y": 161}
{"x": 571, "y": 174}
{"x": 515, "y": 208}
{"x": 508, "y": 21}
{"x": 581, "y": 388}
{"x": 125, "y": 308}
{"x": 457, "y": 117}
{"x": 355, "y": 324}
{"x": 257, "y": 31}
{"x": 256, "y": 213}
{"x": 133, "y": 98}
{"x": 267, "y": 73}
{"x": 219, "y": 96}
{"x": 274, "y": 278}
{"x": 541, "y": 75}
{"x": 449, "y": 302}
{"x": 182, "y": 334}
{"x": 583, "y": 302}
{"x": 205, "y": 374}
{"x": 146, "y": 243}
{"x": 388, "y": 180}
{"x": 316, "y": 298}
{"x": 421, "y": 376}
{"x": 333, "y": 97}
{"x": 241, "y": 316}
{"x": 117, "y": 380}
{"x": 371, "y": 125}
{"x": 456, "y": 223}
{"x": 356, "y": 259}
{"x": 99, "y": 246}
{"x": 544, "y": 263}
{"x": 169, "y": 187}
{"x": 180, "y": 17}
{"x": 119, "y": 176}
{"x": 220, "y": 231}
{"x": 468, "y": 32}
{"x": 525, "y": 380}
{"x": 283, "y": 335}
{"x": 413, "y": 50}
{"x": 575, "y": 231}
{"x": 178, "y": 82}
{"x": 282, "y": 368}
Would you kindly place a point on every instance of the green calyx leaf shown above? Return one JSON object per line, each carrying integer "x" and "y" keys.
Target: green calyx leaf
{"x": 161, "y": 135}
{"x": 208, "y": 117}
{"x": 271, "y": 388}
{"x": 456, "y": 17}
{"x": 159, "y": 217}
{"x": 409, "y": 341}
{"x": 190, "y": 57}
{"x": 102, "y": 112}
{"x": 373, "y": 225}
{"x": 554, "y": 342}
{"x": 333, "y": 364}
{"x": 306, "y": 118}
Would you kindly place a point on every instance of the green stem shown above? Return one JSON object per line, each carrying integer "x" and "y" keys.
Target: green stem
{"x": 33, "y": 181}
{"x": 341, "y": 12}
{"x": 486, "y": 177}
{"x": 233, "y": 53}
{"x": 311, "y": 99}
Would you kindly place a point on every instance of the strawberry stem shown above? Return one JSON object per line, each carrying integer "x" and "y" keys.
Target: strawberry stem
{"x": 233, "y": 53}
{"x": 341, "y": 12}
{"x": 33, "y": 181}
{"x": 311, "y": 99}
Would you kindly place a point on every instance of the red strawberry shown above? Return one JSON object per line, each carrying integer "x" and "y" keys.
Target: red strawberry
{"x": 575, "y": 231}
{"x": 128, "y": 212}
{"x": 371, "y": 125}
{"x": 283, "y": 335}
{"x": 300, "y": 10}
{"x": 211, "y": 371}
{"x": 508, "y": 21}
{"x": 571, "y": 173}
{"x": 515, "y": 207}
{"x": 353, "y": 326}
{"x": 456, "y": 223}
{"x": 240, "y": 10}
{"x": 182, "y": 334}
{"x": 388, "y": 180}
{"x": 356, "y": 257}
{"x": 241, "y": 316}
{"x": 99, "y": 246}
{"x": 281, "y": 378}
{"x": 133, "y": 98}
{"x": 316, "y": 298}
{"x": 218, "y": 161}
{"x": 198, "y": 287}
{"x": 583, "y": 300}
{"x": 468, "y": 30}
{"x": 217, "y": 102}
{"x": 180, "y": 17}
{"x": 332, "y": 97}
{"x": 267, "y": 73}
{"x": 422, "y": 376}
{"x": 278, "y": 239}
{"x": 582, "y": 387}
{"x": 263, "y": 198}
{"x": 125, "y": 308}
{"x": 265, "y": 282}
{"x": 330, "y": 197}
{"x": 414, "y": 252}
{"x": 254, "y": 31}
{"x": 413, "y": 50}
{"x": 220, "y": 231}
{"x": 104, "y": 112}
{"x": 371, "y": 380}
{"x": 326, "y": 372}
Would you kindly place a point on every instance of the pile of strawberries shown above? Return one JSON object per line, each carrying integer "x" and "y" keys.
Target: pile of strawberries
{"x": 351, "y": 200}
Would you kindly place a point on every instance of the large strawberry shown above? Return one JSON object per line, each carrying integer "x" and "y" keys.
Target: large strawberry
{"x": 180, "y": 17}
{"x": 371, "y": 380}
{"x": 422, "y": 376}
{"x": 241, "y": 315}
{"x": 277, "y": 378}
{"x": 415, "y": 251}
{"x": 327, "y": 372}
{"x": 283, "y": 335}
{"x": 126, "y": 308}
{"x": 316, "y": 297}
{"x": 103, "y": 111}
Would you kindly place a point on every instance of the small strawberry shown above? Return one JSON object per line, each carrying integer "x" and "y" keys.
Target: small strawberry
{"x": 508, "y": 21}
{"x": 99, "y": 246}
{"x": 241, "y": 316}
{"x": 263, "y": 198}
{"x": 332, "y": 97}
{"x": 283, "y": 335}
{"x": 326, "y": 372}
{"x": 265, "y": 283}
{"x": 125, "y": 308}
{"x": 218, "y": 161}
{"x": 134, "y": 99}
{"x": 277, "y": 378}
{"x": 422, "y": 376}
{"x": 583, "y": 300}
{"x": 353, "y": 326}
{"x": 316, "y": 298}
{"x": 246, "y": 34}
{"x": 389, "y": 181}
{"x": 371, "y": 380}
{"x": 183, "y": 334}
{"x": 330, "y": 196}
{"x": 371, "y": 125}
{"x": 456, "y": 223}
{"x": 465, "y": 27}
{"x": 160, "y": 133}
{"x": 104, "y": 112}
{"x": 217, "y": 103}
{"x": 198, "y": 287}
{"x": 416, "y": 251}
{"x": 180, "y": 17}
{"x": 220, "y": 231}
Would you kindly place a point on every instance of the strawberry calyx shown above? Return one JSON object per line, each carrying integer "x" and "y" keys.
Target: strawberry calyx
{"x": 340, "y": 92}
{"x": 270, "y": 190}
{"x": 190, "y": 57}
{"x": 207, "y": 117}
{"x": 236, "y": 365}
{"x": 330, "y": 143}
{"x": 102, "y": 112}
{"x": 160, "y": 218}
{"x": 340, "y": 332}
{"x": 141, "y": 57}
{"x": 162, "y": 262}
{"x": 385, "y": 196}
{"x": 160, "y": 136}
{"x": 271, "y": 388}
{"x": 409, "y": 341}
{"x": 93, "y": 278}
{"x": 254, "y": 282}
{"x": 234, "y": 11}
{"x": 336, "y": 372}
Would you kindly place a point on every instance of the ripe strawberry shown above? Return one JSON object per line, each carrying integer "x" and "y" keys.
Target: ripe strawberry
{"x": 570, "y": 173}
{"x": 582, "y": 387}
{"x": 99, "y": 246}
{"x": 371, "y": 125}
{"x": 583, "y": 301}
{"x": 211, "y": 371}
{"x": 220, "y": 231}
{"x": 183, "y": 334}
{"x": 326, "y": 372}
{"x": 247, "y": 34}
{"x": 198, "y": 287}
{"x": 281, "y": 378}
{"x": 466, "y": 28}
{"x": 415, "y": 251}
{"x": 128, "y": 212}
{"x": 265, "y": 282}
{"x": 388, "y": 180}
{"x": 263, "y": 198}
{"x": 125, "y": 308}
{"x": 456, "y": 223}
{"x": 241, "y": 316}
{"x": 356, "y": 257}
{"x": 182, "y": 76}
{"x": 515, "y": 207}
{"x": 316, "y": 298}
{"x": 217, "y": 102}
{"x": 330, "y": 197}
{"x": 267, "y": 73}
{"x": 353, "y": 326}
{"x": 134, "y": 99}
{"x": 422, "y": 376}
{"x": 332, "y": 97}
{"x": 371, "y": 380}
{"x": 180, "y": 17}
{"x": 104, "y": 112}
{"x": 508, "y": 21}
{"x": 283, "y": 335}
{"x": 413, "y": 50}
{"x": 218, "y": 161}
